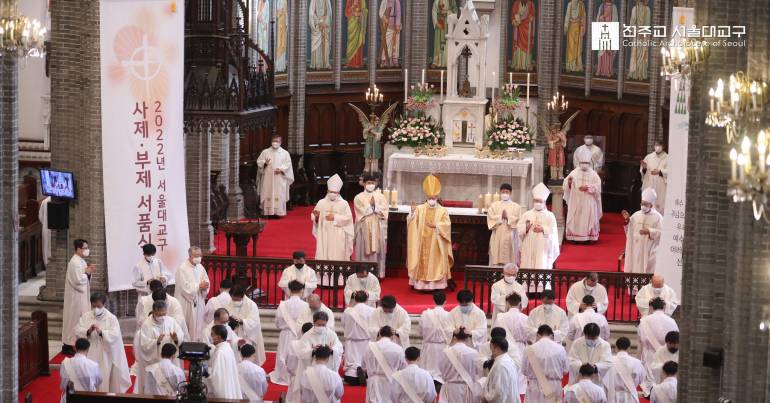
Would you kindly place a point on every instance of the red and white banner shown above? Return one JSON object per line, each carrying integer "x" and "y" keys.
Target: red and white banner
{"x": 142, "y": 69}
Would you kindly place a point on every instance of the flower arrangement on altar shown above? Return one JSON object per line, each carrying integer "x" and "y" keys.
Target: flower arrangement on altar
{"x": 416, "y": 131}
{"x": 509, "y": 99}
{"x": 421, "y": 98}
{"x": 509, "y": 133}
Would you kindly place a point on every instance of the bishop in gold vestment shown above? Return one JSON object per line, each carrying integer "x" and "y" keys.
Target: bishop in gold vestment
{"x": 502, "y": 219}
{"x": 429, "y": 257}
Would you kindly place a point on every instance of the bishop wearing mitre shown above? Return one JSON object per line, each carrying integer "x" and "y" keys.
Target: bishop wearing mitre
{"x": 538, "y": 233}
{"x": 371, "y": 216}
{"x": 276, "y": 175}
{"x": 502, "y": 220}
{"x": 333, "y": 224}
{"x": 429, "y": 257}
{"x": 583, "y": 194}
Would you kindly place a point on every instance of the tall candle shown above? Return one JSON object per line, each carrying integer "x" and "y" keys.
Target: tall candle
{"x": 527, "y": 89}
{"x": 386, "y": 195}
{"x": 441, "y": 88}
{"x": 493, "y": 86}
{"x": 761, "y": 148}
{"x": 481, "y": 203}
{"x": 406, "y": 83}
{"x": 487, "y": 200}
{"x": 496, "y": 197}
{"x": 394, "y": 197}
{"x": 423, "y": 76}
{"x": 510, "y": 78}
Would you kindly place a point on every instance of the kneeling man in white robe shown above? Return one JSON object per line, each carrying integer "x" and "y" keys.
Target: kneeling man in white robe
{"x": 251, "y": 376}
{"x": 381, "y": 360}
{"x": 318, "y": 383}
{"x": 665, "y": 392}
{"x": 625, "y": 375}
{"x": 81, "y": 371}
{"x": 436, "y": 327}
{"x": 502, "y": 384}
{"x": 164, "y": 377}
{"x": 223, "y": 380}
{"x": 287, "y": 318}
{"x": 585, "y": 390}
{"x": 414, "y": 384}
{"x": 544, "y": 364}
{"x": 102, "y": 330}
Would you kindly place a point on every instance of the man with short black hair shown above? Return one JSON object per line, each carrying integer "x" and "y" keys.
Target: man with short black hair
{"x": 362, "y": 280}
{"x": 665, "y": 392}
{"x": 625, "y": 375}
{"x": 587, "y": 315}
{"x": 223, "y": 380}
{"x": 544, "y": 364}
{"x": 653, "y": 329}
{"x": 516, "y": 333}
{"x": 381, "y": 361}
{"x": 371, "y": 216}
{"x": 548, "y": 313}
{"x": 251, "y": 376}
{"x": 317, "y": 382}
{"x": 81, "y": 371}
{"x": 391, "y": 314}
{"x": 436, "y": 327}
{"x": 245, "y": 313}
{"x": 503, "y": 219}
{"x": 459, "y": 371}
{"x": 669, "y": 352}
{"x": 502, "y": 384}
{"x": 156, "y": 331}
{"x": 588, "y": 286}
{"x": 355, "y": 322}
{"x": 77, "y": 291}
{"x": 585, "y": 390}
{"x": 470, "y": 317}
{"x": 414, "y": 384}
{"x": 164, "y": 377}
{"x": 218, "y": 301}
{"x": 148, "y": 268}
{"x": 287, "y": 320}
{"x": 300, "y": 272}
{"x": 590, "y": 349}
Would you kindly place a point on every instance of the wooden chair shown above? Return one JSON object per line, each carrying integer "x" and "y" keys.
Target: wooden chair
{"x": 352, "y": 170}
{"x": 298, "y": 191}
{"x": 321, "y": 165}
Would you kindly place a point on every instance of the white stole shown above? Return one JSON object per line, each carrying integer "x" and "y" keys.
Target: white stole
{"x": 581, "y": 394}
{"x": 661, "y": 396}
{"x": 381, "y": 360}
{"x": 246, "y": 386}
{"x": 157, "y": 374}
{"x": 358, "y": 319}
{"x": 542, "y": 380}
{"x": 625, "y": 375}
{"x": 291, "y": 322}
{"x": 315, "y": 384}
{"x": 434, "y": 320}
{"x": 399, "y": 377}
{"x": 458, "y": 366}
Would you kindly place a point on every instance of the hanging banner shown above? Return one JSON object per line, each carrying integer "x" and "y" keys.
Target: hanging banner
{"x": 142, "y": 69}
{"x": 669, "y": 255}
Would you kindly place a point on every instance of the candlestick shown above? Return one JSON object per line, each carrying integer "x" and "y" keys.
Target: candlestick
{"x": 487, "y": 200}
{"x": 394, "y": 197}
{"x": 441, "y": 88}
{"x": 741, "y": 163}
{"x": 386, "y": 195}
{"x": 481, "y": 203}
{"x": 761, "y": 148}
{"x": 423, "y": 76}
{"x": 406, "y": 83}
{"x": 496, "y": 197}
{"x": 528, "y": 89}
{"x": 510, "y": 78}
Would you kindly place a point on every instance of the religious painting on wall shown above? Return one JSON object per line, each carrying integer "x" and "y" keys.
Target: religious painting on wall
{"x": 320, "y": 25}
{"x": 261, "y": 17}
{"x": 607, "y": 60}
{"x": 575, "y": 23}
{"x": 389, "y": 21}
{"x": 638, "y": 64}
{"x": 355, "y": 24}
{"x": 437, "y": 30}
{"x": 522, "y": 34}
{"x": 281, "y": 34}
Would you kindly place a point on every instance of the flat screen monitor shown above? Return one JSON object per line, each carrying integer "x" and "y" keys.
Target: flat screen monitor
{"x": 57, "y": 183}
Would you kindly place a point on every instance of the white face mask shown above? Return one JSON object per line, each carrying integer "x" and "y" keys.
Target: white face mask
{"x": 657, "y": 291}
{"x": 646, "y": 209}
{"x": 197, "y": 260}
{"x": 588, "y": 141}
{"x": 86, "y": 252}
{"x": 431, "y": 202}
{"x": 332, "y": 196}
{"x": 276, "y": 145}
{"x": 584, "y": 167}
{"x": 505, "y": 196}
{"x": 548, "y": 308}
{"x": 237, "y": 304}
{"x": 509, "y": 279}
{"x": 591, "y": 343}
{"x": 370, "y": 187}
{"x": 589, "y": 288}
{"x": 98, "y": 311}
{"x": 318, "y": 329}
{"x": 658, "y": 149}
{"x": 539, "y": 206}
{"x": 466, "y": 309}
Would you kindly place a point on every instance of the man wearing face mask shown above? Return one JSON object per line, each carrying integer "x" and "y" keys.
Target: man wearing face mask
{"x": 102, "y": 330}
{"x": 502, "y": 220}
{"x": 193, "y": 287}
{"x": 470, "y": 318}
{"x": 151, "y": 336}
{"x": 371, "y": 217}
{"x": 77, "y": 290}
{"x": 657, "y": 289}
{"x": 642, "y": 235}
{"x": 244, "y": 311}
{"x": 583, "y": 194}
{"x": 588, "y": 286}
{"x": 590, "y": 349}
{"x": 654, "y": 169}
{"x": 597, "y": 155}
{"x": 653, "y": 330}
{"x": 538, "y": 233}
{"x": 390, "y": 313}
{"x": 429, "y": 256}
{"x": 320, "y": 335}
{"x": 548, "y": 314}
{"x": 275, "y": 176}
{"x": 362, "y": 280}
{"x": 301, "y": 272}
{"x": 508, "y": 285}
{"x": 287, "y": 320}
{"x": 333, "y": 225}
{"x": 148, "y": 268}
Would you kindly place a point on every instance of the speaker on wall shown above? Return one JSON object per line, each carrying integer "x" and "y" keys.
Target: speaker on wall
{"x": 58, "y": 215}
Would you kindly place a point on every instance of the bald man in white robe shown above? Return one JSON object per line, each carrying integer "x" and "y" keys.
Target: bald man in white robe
{"x": 657, "y": 288}
{"x": 381, "y": 361}
{"x": 223, "y": 380}
{"x": 506, "y": 286}
{"x": 588, "y": 286}
{"x": 544, "y": 364}
{"x": 192, "y": 284}
{"x": 82, "y": 371}
{"x": 538, "y": 233}
{"x": 436, "y": 327}
{"x": 643, "y": 230}
{"x": 355, "y": 322}
{"x": 583, "y": 195}
{"x": 316, "y": 305}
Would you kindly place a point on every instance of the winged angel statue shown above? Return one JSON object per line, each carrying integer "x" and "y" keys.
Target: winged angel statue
{"x": 557, "y": 140}
{"x": 372, "y": 133}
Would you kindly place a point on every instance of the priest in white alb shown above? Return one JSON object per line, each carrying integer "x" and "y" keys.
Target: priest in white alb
{"x": 156, "y": 331}
{"x": 245, "y": 311}
{"x": 506, "y": 286}
{"x": 503, "y": 381}
{"x": 81, "y": 371}
{"x": 597, "y": 155}
{"x": 320, "y": 335}
{"x": 371, "y": 217}
{"x": 192, "y": 284}
{"x": 583, "y": 194}
{"x": 355, "y": 324}
{"x": 163, "y": 377}
{"x": 287, "y": 318}
{"x": 159, "y": 294}
{"x": 221, "y": 317}
{"x": 643, "y": 230}
{"x": 590, "y": 349}
{"x": 653, "y": 329}
{"x": 516, "y": 332}
{"x": 362, "y": 280}
{"x": 436, "y": 327}
{"x": 654, "y": 169}
{"x": 219, "y": 300}
{"x": 390, "y": 313}
{"x": 503, "y": 219}
{"x": 587, "y": 314}
{"x": 588, "y": 286}
{"x": 223, "y": 380}
{"x": 625, "y": 375}
{"x": 548, "y": 313}
{"x": 657, "y": 288}
{"x": 429, "y": 258}
{"x": 333, "y": 224}
{"x": 102, "y": 330}
{"x": 538, "y": 233}
{"x": 381, "y": 361}
{"x": 77, "y": 293}
{"x": 469, "y": 317}
{"x": 315, "y": 304}
{"x": 251, "y": 376}
{"x": 414, "y": 384}
{"x": 275, "y": 177}
{"x": 301, "y": 272}
{"x": 544, "y": 364}
{"x": 148, "y": 268}
{"x": 459, "y": 371}
{"x": 669, "y": 352}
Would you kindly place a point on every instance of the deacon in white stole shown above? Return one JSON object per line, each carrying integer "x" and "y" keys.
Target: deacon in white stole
{"x": 355, "y": 322}
{"x": 625, "y": 374}
{"x": 251, "y": 376}
{"x": 436, "y": 326}
{"x": 223, "y": 381}
{"x": 164, "y": 377}
{"x": 287, "y": 321}
{"x": 414, "y": 384}
{"x": 381, "y": 361}
{"x": 544, "y": 364}
{"x": 458, "y": 369}
{"x": 81, "y": 371}
{"x": 318, "y": 383}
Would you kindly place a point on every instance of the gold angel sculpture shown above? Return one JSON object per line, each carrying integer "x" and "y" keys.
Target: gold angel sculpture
{"x": 557, "y": 140}
{"x": 372, "y": 133}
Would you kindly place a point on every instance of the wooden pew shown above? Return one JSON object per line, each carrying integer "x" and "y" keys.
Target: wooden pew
{"x": 33, "y": 348}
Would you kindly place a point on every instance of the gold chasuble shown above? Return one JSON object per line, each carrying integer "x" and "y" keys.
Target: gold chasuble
{"x": 429, "y": 257}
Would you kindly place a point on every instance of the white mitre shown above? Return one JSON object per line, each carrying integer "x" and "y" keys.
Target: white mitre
{"x": 540, "y": 191}
{"x": 649, "y": 195}
{"x": 584, "y": 155}
{"x": 334, "y": 183}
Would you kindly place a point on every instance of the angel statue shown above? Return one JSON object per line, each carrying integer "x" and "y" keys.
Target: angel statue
{"x": 556, "y": 135}
{"x": 372, "y": 133}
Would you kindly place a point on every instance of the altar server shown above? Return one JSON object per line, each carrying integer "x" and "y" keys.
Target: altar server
{"x": 355, "y": 322}
{"x": 624, "y": 376}
{"x": 653, "y": 330}
{"x": 223, "y": 380}
{"x": 333, "y": 224}
{"x": 669, "y": 352}
{"x": 318, "y": 383}
{"x": 251, "y": 376}
{"x": 587, "y": 314}
{"x": 436, "y": 326}
{"x": 315, "y": 305}
{"x": 77, "y": 292}
{"x": 287, "y": 318}
{"x": 597, "y": 155}
{"x": 506, "y": 286}
{"x": 148, "y": 268}
{"x": 301, "y": 272}
{"x": 503, "y": 219}
{"x": 654, "y": 169}
{"x": 390, "y": 313}
{"x": 549, "y": 314}
{"x": 502, "y": 384}
{"x": 643, "y": 231}
{"x": 665, "y": 392}
{"x": 588, "y": 286}
{"x": 220, "y": 300}
{"x": 538, "y": 233}
{"x": 101, "y": 328}
{"x": 414, "y": 384}
{"x": 363, "y": 280}
{"x": 164, "y": 377}
{"x": 458, "y": 369}
{"x": 371, "y": 219}
{"x": 429, "y": 256}
{"x": 156, "y": 331}
{"x": 193, "y": 286}
{"x": 657, "y": 288}
{"x": 544, "y": 364}
{"x": 590, "y": 349}
{"x": 583, "y": 194}
{"x": 584, "y": 390}
{"x": 245, "y": 312}
{"x": 469, "y": 317}
{"x": 82, "y": 371}
{"x": 275, "y": 177}
{"x": 381, "y": 361}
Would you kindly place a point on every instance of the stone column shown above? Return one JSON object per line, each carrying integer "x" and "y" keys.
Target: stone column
{"x": 658, "y": 87}
{"x": 548, "y": 62}
{"x": 197, "y": 171}
{"x": 9, "y": 229}
{"x": 220, "y": 155}
{"x": 418, "y": 39}
{"x": 297, "y": 71}
{"x": 234, "y": 193}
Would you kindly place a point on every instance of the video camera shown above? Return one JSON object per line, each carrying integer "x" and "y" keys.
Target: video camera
{"x": 194, "y": 390}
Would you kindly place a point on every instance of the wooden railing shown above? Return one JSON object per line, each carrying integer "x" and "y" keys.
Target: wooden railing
{"x": 261, "y": 275}
{"x": 621, "y": 288}
{"x": 33, "y": 348}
